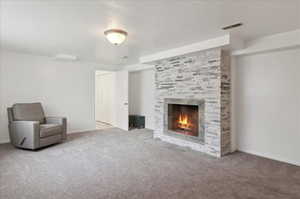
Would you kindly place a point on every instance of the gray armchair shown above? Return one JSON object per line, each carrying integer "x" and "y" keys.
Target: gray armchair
{"x": 30, "y": 129}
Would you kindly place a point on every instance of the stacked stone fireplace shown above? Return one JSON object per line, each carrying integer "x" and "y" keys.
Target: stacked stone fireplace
{"x": 193, "y": 101}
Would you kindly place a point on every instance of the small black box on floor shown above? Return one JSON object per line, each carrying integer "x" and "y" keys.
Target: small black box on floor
{"x": 136, "y": 121}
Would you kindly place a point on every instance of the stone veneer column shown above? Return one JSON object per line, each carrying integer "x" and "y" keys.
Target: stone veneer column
{"x": 203, "y": 75}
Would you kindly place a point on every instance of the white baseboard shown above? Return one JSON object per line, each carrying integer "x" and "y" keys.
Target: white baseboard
{"x": 81, "y": 131}
{"x": 5, "y": 141}
{"x": 293, "y": 162}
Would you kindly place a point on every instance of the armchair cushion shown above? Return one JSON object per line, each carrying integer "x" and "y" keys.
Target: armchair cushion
{"x": 29, "y": 112}
{"x": 50, "y": 129}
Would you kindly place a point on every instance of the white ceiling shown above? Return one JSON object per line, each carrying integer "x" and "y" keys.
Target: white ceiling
{"x": 50, "y": 27}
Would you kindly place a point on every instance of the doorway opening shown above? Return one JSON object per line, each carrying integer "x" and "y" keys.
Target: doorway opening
{"x": 111, "y": 99}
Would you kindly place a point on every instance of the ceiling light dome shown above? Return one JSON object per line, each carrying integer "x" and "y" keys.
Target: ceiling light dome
{"x": 115, "y": 36}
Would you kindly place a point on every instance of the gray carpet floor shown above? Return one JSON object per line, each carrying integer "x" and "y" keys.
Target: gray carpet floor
{"x": 112, "y": 163}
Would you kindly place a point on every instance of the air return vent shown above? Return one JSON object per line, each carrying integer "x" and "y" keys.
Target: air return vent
{"x": 232, "y": 26}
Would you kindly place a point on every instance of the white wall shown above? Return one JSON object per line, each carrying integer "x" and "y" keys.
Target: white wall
{"x": 64, "y": 88}
{"x": 141, "y": 95}
{"x": 267, "y": 104}
{"x": 234, "y": 97}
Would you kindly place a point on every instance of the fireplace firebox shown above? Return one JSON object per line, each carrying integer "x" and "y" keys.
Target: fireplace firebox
{"x": 184, "y": 118}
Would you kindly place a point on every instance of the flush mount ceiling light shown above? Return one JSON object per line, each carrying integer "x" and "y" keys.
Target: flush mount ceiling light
{"x": 115, "y": 36}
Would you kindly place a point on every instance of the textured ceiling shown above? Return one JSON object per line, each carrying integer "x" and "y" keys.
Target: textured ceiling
{"x": 76, "y": 26}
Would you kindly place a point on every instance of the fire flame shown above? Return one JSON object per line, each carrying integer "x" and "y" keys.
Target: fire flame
{"x": 183, "y": 122}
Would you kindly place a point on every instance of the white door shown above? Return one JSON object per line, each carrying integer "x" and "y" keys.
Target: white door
{"x": 97, "y": 98}
{"x": 121, "y": 97}
{"x": 104, "y": 97}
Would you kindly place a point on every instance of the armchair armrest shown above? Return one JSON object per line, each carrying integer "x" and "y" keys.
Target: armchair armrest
{"x": 25, "y": 134}
{"x": 59, "y": 120}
